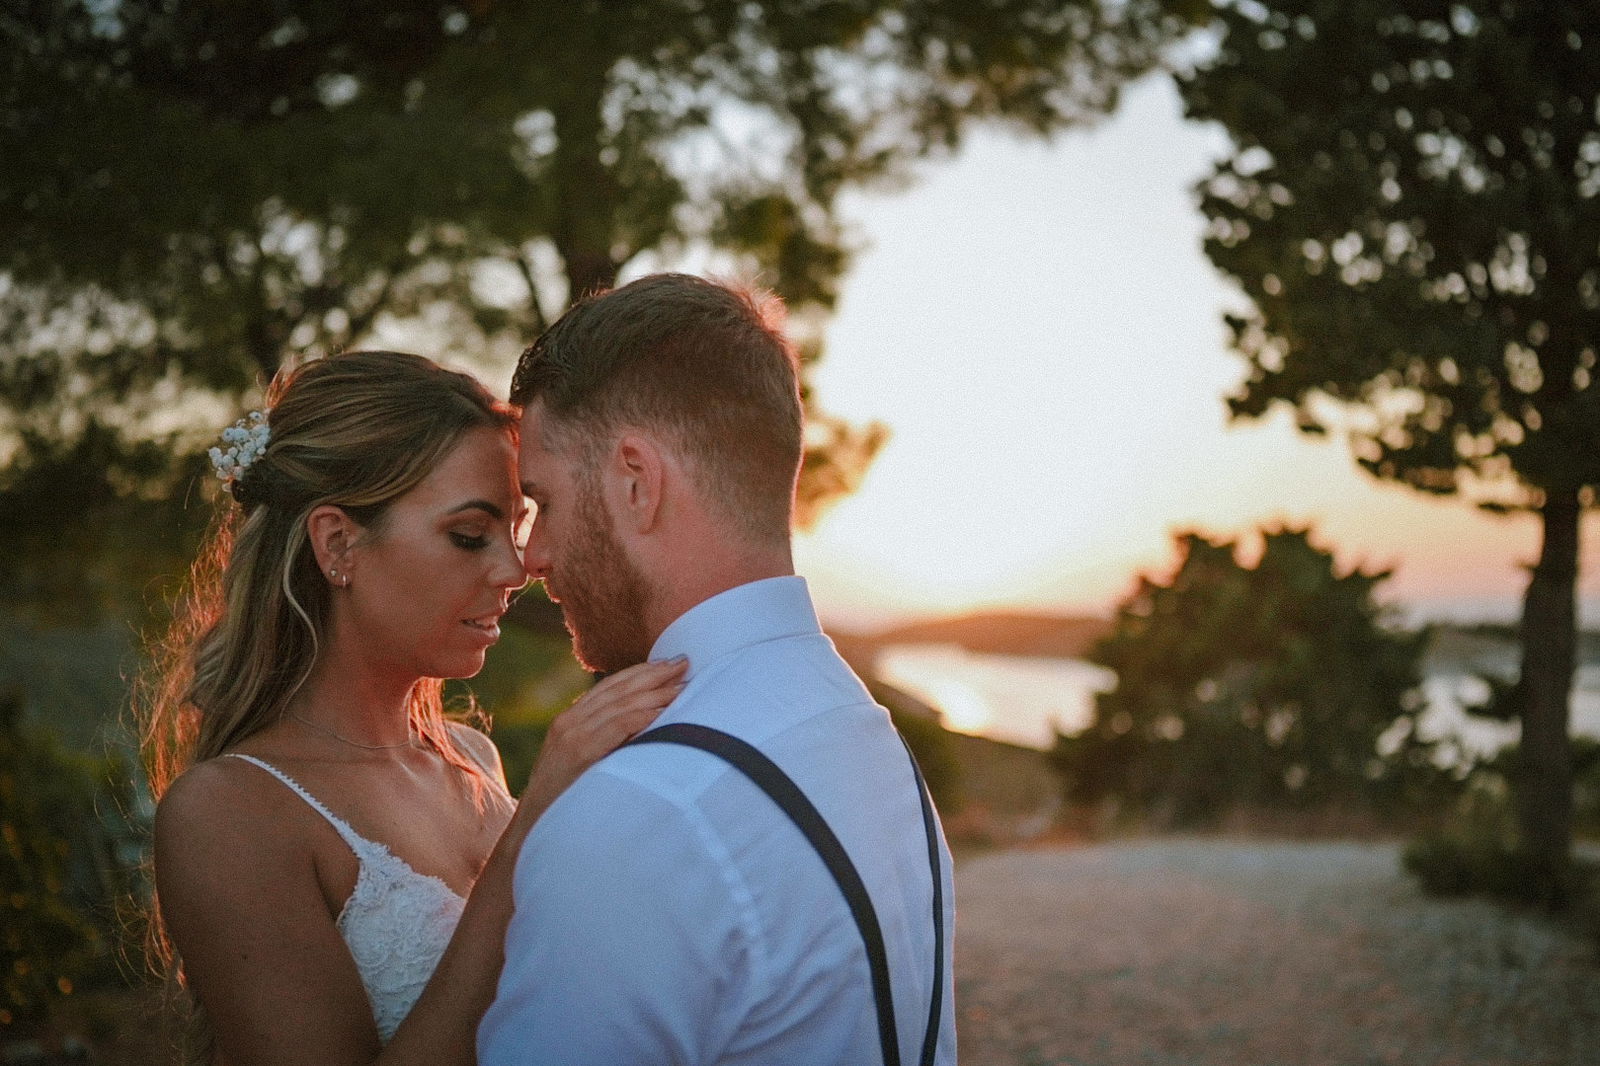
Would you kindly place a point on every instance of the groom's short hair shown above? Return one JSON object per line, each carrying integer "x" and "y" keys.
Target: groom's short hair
{"x": 702, "y": 363}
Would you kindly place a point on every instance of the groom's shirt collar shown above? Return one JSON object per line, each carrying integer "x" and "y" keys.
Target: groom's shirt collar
{"x": 770, "y": 609}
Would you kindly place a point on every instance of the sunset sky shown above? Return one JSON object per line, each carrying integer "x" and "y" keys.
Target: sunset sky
{"x": 1041, "y": 332}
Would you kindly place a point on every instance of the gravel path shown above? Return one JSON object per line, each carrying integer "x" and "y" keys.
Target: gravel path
{"x": 1249, "y": 954}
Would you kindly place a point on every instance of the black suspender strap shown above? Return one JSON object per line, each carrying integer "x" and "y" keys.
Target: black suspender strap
{"x": 930, "y": 1041}
{"x": 787, "y": 795}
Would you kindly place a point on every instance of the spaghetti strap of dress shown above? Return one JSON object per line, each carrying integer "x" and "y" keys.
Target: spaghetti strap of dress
{"x": 349, "y": 835}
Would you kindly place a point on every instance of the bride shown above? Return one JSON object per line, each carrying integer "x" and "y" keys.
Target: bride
{"x": 333, "y": 857}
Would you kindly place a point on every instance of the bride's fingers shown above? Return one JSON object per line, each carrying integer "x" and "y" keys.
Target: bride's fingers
{"x": 660, "y": 682}
{"x": 621, "y": 719}
{"x": 642, "y": 675}
{"x": 662, "y": 690}
{"x": 616, "y": 708}
{"x": 600, "y": 721}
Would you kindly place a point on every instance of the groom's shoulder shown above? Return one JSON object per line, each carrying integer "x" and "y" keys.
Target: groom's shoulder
{"x": 636, "y": 783}
{"x": 652, "y": 774}
{"x": 620, "y": 812}
{"x": 804, "y": 669}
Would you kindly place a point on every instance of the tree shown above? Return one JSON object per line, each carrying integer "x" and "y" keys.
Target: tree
{"x": 1412, "y": 208}
{"x": 1264, "y": 685}
{"x": 304, "y": 176}
{"x": 150, "y": 276}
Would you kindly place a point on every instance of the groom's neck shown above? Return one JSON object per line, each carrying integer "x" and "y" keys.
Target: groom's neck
{"x": 687, "y": 577}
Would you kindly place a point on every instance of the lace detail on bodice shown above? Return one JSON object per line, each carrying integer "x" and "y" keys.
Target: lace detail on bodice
{"x": 396, "y": 923}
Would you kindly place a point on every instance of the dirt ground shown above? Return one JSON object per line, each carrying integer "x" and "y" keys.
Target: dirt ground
{"x": 1206, "y": 952}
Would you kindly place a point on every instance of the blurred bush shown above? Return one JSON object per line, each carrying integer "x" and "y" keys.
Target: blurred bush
{"x": 1479, "y": 849}
{"x": 1278, "y": 684}
{"x": 1462, "y": 862}
{"x": 69, "y": 853}
{"x": 1476, "y": 850}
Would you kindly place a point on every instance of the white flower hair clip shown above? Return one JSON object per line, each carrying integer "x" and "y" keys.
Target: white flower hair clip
{"x": 246, "y": 441}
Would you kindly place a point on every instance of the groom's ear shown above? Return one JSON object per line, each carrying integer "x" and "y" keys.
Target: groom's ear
{"x": 639, "y": 475}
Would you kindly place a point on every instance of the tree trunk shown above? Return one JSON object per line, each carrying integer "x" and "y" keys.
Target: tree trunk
{"x": 588, "y": 272}
{"x": 587, "y": 197}
{"x": 1549, "y": 651}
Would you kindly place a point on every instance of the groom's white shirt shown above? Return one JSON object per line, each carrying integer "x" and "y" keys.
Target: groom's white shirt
{"x": 668, "y": 912}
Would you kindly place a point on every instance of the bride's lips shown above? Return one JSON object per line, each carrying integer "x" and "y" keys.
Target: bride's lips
{"x": 486, "y": 626}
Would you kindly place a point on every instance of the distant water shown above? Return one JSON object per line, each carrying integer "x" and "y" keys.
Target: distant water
{"x": 1026, "y": 700}
{"x": 1448, "y": 691}
{"x": 1015, "y": 698}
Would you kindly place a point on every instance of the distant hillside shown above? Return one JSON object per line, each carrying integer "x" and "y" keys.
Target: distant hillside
{"x": 1452, "y": 647}
{"x": 1049, "y": 636}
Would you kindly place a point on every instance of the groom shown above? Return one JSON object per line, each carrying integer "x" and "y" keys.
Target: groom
{"x": 667, "y": 909}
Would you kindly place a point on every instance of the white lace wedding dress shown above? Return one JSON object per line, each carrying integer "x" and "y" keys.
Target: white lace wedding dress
{"x": 396, "y": 922}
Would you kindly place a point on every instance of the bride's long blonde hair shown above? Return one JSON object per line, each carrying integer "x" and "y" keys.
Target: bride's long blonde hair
{"x": 356, "y": 430}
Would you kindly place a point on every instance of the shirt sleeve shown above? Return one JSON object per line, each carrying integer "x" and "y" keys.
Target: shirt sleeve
{"x": 630, "y": 941}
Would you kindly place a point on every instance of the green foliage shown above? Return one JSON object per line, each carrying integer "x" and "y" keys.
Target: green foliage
{"x": 519, "y": 744}
{"x": 1499, "y": 772}
{"x": 1480, "y": 852}
{"x": 528, "y": 676}
{"x": 1480, "y": 849}
{"x": 1586, "y": 785}
{"x": 1412, "y": 207}
{"x": 1268, "y": 684}
{"x": 66, "y": 856}
{"x": 79, "y": 543}
{"x": 1466, "y": 864}
{"x": 71, "y": 679}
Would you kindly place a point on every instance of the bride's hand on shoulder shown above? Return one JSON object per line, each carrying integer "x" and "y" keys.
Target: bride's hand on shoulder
{"x": 600, "y": 721}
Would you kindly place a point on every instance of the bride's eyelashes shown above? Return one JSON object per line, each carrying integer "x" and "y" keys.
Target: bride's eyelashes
{"x": 477, "y": 541}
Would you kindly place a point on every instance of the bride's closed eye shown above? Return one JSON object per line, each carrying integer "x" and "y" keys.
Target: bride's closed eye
{"x": 471, "y": 542}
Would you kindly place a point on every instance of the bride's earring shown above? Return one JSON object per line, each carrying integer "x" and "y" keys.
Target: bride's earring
{"x": 333, "y": 575}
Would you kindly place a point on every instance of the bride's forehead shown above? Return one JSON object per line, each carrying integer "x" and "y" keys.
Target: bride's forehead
{"x": 485, "y": 450}
{"x": 481, "y": 463}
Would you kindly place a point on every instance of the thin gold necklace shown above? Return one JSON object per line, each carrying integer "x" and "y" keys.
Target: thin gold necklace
{"x": 406, "y": 743}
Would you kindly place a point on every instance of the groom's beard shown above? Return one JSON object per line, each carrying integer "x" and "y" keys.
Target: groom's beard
{"x": 603, "y": 598}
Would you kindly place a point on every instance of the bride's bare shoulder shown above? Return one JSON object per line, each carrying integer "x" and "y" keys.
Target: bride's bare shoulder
{"x": 219, "y": 809}
{"x": 207, "y": 786}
